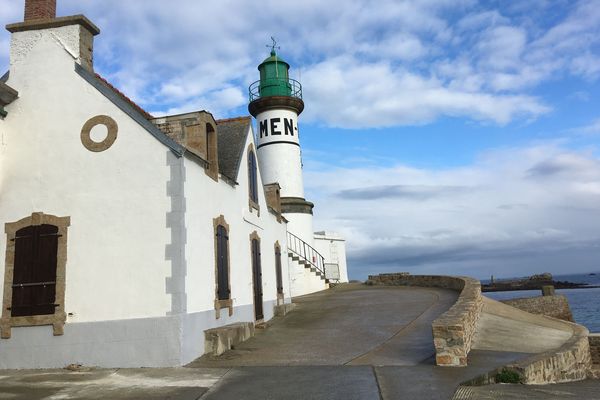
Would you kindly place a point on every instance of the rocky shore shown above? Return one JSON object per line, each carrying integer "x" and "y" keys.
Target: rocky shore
{"x": 534, "y": 282}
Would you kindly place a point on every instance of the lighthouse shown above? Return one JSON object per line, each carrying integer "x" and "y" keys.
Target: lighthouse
{"x": 275, "y": 103}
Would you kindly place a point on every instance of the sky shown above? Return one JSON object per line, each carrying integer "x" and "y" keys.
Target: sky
{"x": 439, "y": 136}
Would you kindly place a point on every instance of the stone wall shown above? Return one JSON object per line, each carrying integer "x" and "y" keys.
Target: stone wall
{"x": 571, "y": 362}
{"x": 453, "y": 331}
{"x": 594, "y": 339}
{"x": 550, "y": 306}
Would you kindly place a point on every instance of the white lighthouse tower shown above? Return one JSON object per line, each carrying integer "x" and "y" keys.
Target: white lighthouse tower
{"x": 276, "y": 102}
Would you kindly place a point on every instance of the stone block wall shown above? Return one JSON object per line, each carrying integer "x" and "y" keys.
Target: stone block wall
{"x": 594, "y": 340}
{"x": 550, "y": 306}
{"x": 453, "y": 331}
{"x": 572, "y": 362}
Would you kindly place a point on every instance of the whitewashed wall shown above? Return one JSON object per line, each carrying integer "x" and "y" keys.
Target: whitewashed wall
{"x": 303, "y": 280}
{"x": 332, "y": 247}
{"x": 116, "y": 199}
{"x": 301, "y": 225}
{"x": 281, "y": 162}
{"x": 206, "y": 200}
{"x": 126, "y": 222}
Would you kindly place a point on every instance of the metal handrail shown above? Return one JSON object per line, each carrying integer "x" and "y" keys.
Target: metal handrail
{"x": 306, "y": 252}
{"x": 294, "y": 88}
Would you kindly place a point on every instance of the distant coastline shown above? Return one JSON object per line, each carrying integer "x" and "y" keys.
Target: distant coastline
{"x": 534, "y": 282}
{"x": 585, "y": 304}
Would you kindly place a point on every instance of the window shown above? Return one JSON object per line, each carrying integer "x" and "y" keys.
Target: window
{"x": 34, "y": 276}
{"x": 252, "y": 177}
{"x": 34, "y": 279}
{"x": 222, "y": 263}
{"x": 256, "y": 275}
{"x": 222, "y": 269}
{"x": 278, "y": 272}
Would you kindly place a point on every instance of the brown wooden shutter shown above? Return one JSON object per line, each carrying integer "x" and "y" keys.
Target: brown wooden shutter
{"x": 257, "y": 278}
{"x": 222, "y": 263}
{"x": 253, "y": 179}
{"x": 34, "y": 279}
{"x": 278, "y": 273}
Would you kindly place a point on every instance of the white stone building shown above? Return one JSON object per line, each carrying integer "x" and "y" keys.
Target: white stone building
{"x": 126, "y": 236}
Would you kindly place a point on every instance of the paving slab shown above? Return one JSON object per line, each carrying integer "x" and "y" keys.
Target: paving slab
{"x": 96, "y": 384}
{"x": 584, "y": 390}
{"x": 427, "y": 381}
{"x": 297, "y": 383}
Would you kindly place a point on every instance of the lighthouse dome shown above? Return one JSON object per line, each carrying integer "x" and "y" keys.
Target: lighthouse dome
{"x": 275, "y": 88}
{"x": 274, "y": 77}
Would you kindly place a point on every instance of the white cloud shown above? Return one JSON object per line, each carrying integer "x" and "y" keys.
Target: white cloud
{"x": 501, "y": 48}
{"x": 591, "y": 129}
{"x": 217, "y": 102}
{"x": 9, "y": 12}
{"x": 502, "y": 214}
{"x": 453, "y": 58}
{"x": 586, "y": 65}
{"x": 347, "y": 93}
{"x": 481, "y": 20}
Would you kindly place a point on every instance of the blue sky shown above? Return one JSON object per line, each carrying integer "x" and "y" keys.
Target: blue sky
{"x": 439, "y": 136}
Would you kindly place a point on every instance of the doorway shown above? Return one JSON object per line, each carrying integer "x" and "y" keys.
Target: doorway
{"x": 257, "y": 277}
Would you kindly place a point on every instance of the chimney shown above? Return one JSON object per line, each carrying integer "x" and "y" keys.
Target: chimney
{"x": 39, "y": 9}
{"x": 40, "y": 15}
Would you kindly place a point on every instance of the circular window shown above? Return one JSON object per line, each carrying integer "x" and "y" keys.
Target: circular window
{"x": 111, "y": 133}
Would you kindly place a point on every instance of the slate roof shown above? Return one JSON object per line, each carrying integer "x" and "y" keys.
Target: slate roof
{"x": 7, "y": 94}
{"x": 231, "y": 139}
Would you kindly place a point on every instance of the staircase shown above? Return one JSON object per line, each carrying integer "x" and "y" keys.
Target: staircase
{"x": 310, "y": 276}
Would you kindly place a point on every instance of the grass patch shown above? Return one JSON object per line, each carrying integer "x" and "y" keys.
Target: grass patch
{"x": 508, "y": 376}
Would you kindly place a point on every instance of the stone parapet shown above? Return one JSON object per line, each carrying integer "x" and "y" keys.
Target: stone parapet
{"x": 594, "y": 340}
{"x": 571, "y": 362}
{"x": 550, "y": 306}
{"x": 454, "y": 330}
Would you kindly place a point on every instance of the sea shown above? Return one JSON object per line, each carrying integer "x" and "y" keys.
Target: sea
{"x": 585, "y": 303}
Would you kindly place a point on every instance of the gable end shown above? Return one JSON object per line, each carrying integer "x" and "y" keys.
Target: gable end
{"x": 128, "y": 109}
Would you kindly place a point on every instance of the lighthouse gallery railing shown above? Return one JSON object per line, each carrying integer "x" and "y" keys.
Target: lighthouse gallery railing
{"x": 306, "y": 253}
{"x": 275, "y": 87}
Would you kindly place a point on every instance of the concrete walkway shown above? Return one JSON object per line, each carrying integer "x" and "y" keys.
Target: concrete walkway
{"x": 349, "y": 325}
{"x": 352, "y": 342}
{"x": 505, "y": 328}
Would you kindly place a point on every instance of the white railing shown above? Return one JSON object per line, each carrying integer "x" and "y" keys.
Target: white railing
{"x": 306, "y": 252}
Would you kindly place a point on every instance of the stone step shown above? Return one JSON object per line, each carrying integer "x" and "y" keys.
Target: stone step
{"x": 308, "y": 265}
{"x": 283, "y": 309}
{"x": 219, "y": 340}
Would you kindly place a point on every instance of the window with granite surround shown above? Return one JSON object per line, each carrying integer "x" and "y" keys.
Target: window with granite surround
{"x": 222, "y": 267}
{"x": 34, "y": 275}
{"x": 252, "y": 179}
